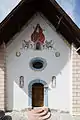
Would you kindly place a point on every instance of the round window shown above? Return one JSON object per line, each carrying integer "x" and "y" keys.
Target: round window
{"x": 38, "y": 63}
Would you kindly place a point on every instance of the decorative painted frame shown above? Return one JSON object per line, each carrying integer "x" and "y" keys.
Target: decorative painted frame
{"x": 21, "y": 81}
{"x": 30, "y": 92}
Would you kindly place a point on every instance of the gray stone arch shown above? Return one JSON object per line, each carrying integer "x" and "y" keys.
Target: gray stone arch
{"x": 30, "y": 92}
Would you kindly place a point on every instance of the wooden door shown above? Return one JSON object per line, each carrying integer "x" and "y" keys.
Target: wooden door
{"x": 37, "y": 95}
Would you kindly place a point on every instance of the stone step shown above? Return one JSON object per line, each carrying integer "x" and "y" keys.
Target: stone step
{"x": 40, "y": 109}
{"x": 47, "y": 116}
{"x": 39, "y": 114}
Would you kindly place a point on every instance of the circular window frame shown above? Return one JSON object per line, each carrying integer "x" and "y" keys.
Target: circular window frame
{"x": 42, "y": 60}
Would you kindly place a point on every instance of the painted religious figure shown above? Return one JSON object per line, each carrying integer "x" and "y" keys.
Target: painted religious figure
{"x": 37, "y": 35}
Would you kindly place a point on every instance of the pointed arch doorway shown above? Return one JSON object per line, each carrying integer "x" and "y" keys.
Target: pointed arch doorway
{"x": 37, "y": 95}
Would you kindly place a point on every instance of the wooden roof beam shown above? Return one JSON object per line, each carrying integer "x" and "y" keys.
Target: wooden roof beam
{"x": 59, "y": 22}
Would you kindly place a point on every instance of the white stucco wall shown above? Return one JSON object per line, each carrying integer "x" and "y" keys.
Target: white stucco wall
{"x": 59, "y": 97}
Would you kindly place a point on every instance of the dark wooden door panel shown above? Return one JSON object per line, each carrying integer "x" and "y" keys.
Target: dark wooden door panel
{"x": 37, "y": 95}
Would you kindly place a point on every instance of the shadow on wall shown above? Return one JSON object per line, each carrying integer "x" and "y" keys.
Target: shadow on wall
{"x": 58, "y": 64}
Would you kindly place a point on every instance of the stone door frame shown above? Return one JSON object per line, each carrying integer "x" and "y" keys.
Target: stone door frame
{"x": 30, "y": 92}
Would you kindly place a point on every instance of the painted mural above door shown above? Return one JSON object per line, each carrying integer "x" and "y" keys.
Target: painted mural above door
{"x": 37, "y": 42}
